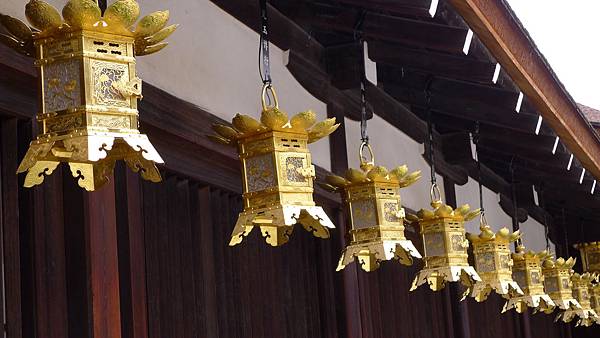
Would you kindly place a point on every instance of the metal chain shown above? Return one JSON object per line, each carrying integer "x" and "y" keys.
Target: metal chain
{"x": 542, "y": 203}
{"x": 363, "y": 102}
{"x": 565, "y": 232}
{"x": 514, "y": 200}
{"x": 264, "y": 64}
{"x": 102, "y": 4}
{"x": 430, "y": 135}
{"x": 476, "y": 139}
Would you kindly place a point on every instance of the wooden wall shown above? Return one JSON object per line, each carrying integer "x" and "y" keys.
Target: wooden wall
{"x": 138, "y": 259}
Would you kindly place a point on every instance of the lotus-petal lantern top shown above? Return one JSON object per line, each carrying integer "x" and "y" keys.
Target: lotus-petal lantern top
{"x": 493, "y": 263}
{"x": 89, "y": 87}
{"x": 527, "y": 272}
{"x": 445, "y": 246}
{"x": 582, "y": 289}
{"x": 372, "y": 198}
{"x": 558, "y": 285}
{"x": 277, "y": 172}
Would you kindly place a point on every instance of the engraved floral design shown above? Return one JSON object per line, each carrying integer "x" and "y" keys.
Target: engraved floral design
{"x": 434, "y": 244}
{"x": 486, "y": 262}
{"x": 61, "y": 86}
{"x": 390, "y": 209}
{"x": 105, "y": 76}
{"x": 363, "y": 214}
{"x": 259, "y": 170}
{"x": 551, "y": 284}
{"x": 292, "y": 172}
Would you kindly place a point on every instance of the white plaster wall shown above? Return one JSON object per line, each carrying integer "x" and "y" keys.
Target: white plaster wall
{"x": 212, "y": 61}
{"x": 495, "y": 216}
{"x": 393, "y": 148}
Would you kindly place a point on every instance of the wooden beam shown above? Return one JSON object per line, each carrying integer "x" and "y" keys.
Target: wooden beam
{"x": 442, "y": 64}
{"x": 503, "y": 34}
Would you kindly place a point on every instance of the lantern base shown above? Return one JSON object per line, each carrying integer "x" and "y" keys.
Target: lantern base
{"x": 276, "y": 223}
{"x": 481, "y": 290}
{"x": 539, "y": 302}
{"x": 370, "y": 254}
{"x": 91, "y": 157}
{"x": 584, "y": 315}
{"x": 436, "y": 278}
{"x": 567, "y": 304}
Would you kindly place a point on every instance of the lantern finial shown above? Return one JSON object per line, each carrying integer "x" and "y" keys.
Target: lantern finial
{"x": 89, "y": 116}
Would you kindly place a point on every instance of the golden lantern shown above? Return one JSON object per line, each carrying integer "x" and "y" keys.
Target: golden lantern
{"x": 527, "y": 272}
{"x": 557, "y": 284}
{"x": 582, "y": 287}
{"x": 493, "y": 263}
{"x": 371, "y": 196}
{"x": 445, "y": 244}
{"x": 89, "y": 87}
{"x": 277, "y": 171}
{"x": 590, "y": 256}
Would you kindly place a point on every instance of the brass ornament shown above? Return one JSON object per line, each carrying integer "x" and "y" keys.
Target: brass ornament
{"x": 527, "y": 272}
{"x": 89, "y": 88}
{"x": 557, "y": 284}
{"x": 371, "y": 196}
{"x": 277, "y": 171}
{"x": 595, "y": 297}
{"x": 493, "y": 263}
{"x": 590, "y": 256}
{"x": 582, "y": 291}
{"x": 445, "y": 245}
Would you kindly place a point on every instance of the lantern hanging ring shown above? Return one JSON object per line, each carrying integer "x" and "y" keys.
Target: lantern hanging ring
{"x": 482, "y": 220}
{"x": 435, "y": 194}
{"x": 269, "y": 97}
{"x": 363, "y": 159}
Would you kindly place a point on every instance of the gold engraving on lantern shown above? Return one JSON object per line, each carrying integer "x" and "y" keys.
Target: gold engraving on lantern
{"x": 363, "y": 213}
{"x": 294, "y": 169}
{"x": 390, "y": 210}
{"x": 505, "y": 262}
{"x": 260, "y": 172}
{"x": 565, "y": 283}
{"x": 111, "y": 122}
{"x": 434, "y": 244}
{"x": 61, "y": 85}
{"x": 486, "y": 262}
{"x": 64, "y": 123}
{"x": 458, "y": 242}
{"x": 551, "y": 284}
{"x": 55, "y": 49}
{"x": 594, "y": 258}
{"x": 106, "y": 76}
{"x": 535, "y": 277}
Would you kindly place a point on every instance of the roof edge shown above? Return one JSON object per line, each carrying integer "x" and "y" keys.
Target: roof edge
{"x": 497, "y": 26}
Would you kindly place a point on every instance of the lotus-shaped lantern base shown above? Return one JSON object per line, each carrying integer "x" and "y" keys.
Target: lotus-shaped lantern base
{"x": 276, "y": 223}
{"x": 370, "y": 254}
{"x": 436, "y": 278}
{"x": 539, "y": 302}
{"x": 571, "y": 308}
{"x": 91, "y": 157}
{"x": 481, "y": 290}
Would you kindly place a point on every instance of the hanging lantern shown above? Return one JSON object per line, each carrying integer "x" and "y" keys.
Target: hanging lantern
{"x": 590, "y": 256}
{"x": 493, "y": 263}
{"x": 445, "y": 245}
{"x": 557, "y": 284}
{"x": 89, "y": 87}
{"x": 582, "y": 287}
{"x": 527, "y": 272}
{"x": 371, "y": 196}
{"x": 277, "y": 171}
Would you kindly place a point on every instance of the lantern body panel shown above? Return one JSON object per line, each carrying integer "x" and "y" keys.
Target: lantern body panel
{"x": 377, "y": 219}
{"x": 277, "y": 187}
{"x": 89, "y": 117}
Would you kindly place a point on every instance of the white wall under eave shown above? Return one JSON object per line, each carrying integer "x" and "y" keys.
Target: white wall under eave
{"x": 393, "y": 148}
{"x": 212, "y": 61}
{"x": 496, "y": 217}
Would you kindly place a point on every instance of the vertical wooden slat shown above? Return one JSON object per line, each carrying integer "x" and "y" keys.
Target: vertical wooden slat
{"x": 203, "y": 232}
{"x": 151, "y": 234}
{"x": 10, "y": 229}
{"x": 100, "y": 226}
{"x": 131, "y": 250}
